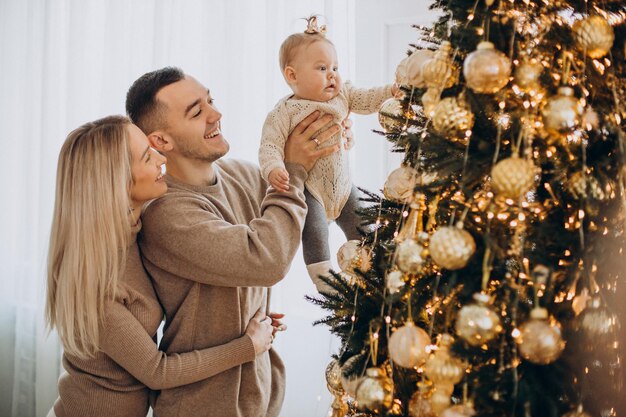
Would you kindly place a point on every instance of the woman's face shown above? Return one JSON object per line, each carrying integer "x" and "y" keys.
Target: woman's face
{"x": 148, "y": 182}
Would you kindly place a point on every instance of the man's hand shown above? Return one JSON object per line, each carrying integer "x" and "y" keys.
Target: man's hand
{"x": 304, "y": 149}
{"x": 279, "y": 179}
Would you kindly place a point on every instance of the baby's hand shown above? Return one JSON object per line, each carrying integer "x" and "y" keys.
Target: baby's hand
{"x": 279, "y": 179}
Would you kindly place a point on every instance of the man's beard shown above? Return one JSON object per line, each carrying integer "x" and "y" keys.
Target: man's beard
{"x": 200, "y": 153}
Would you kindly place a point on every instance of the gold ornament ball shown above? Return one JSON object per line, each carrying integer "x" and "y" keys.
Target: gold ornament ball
{"x": 486, "y": 70}
{"x": 451, "y": 247}
{"x": 415, "y": 67}
{"x": 401, "y": 72}
{"x": 353, "y": 255}
{"x": 400, "y": 112}
{"x": 440, "y": 71}
{"x": 585, "y": 185}
{"x": 443, "y": 368}
{"x": 513, "y": 177}
{"x": 410, "y": 256}
{"x": 400, "y": 184}
{"x": 527, "y": 75}
{"x": 394, "y": 281}
{"x": 333, "y": 378}
{"x": 452, "y": 120}
{"x": 596, "y": 322}
{"x": 477, "y": 323}
{"x": 462, "y": 410}
{"x": 430, "y": 99}
{"x": 350, "y": 383}
{"x": 540, "y": 338}
{"x": 440, "y": 399}
{"x": 407, "y": 345}
{"x": 594, "y": 36}
{"x": 419, "y": 405}
{"x": 374, "y": 393}
{"x": 562, "y": 113}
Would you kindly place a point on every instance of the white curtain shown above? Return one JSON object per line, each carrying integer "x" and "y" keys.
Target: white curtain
{"x": 65, "y": 62}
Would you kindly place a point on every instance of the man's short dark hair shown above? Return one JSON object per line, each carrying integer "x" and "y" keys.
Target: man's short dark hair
{"x": 142, "y": 107}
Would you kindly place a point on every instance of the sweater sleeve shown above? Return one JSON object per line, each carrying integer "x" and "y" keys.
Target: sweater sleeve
{"x": 126, "y": 342}
{"x": 366, "y": 100}
{"x": 273, "y": 137}
{"x": 191, "y": 239}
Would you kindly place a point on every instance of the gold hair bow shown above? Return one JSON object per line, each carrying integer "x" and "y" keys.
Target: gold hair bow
{"x": 312, "y": 26}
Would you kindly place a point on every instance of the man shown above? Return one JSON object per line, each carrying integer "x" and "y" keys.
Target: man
{"x": 217, "y": 240}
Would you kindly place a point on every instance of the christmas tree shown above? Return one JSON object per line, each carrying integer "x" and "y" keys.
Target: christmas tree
{"x": 488, "y": 279}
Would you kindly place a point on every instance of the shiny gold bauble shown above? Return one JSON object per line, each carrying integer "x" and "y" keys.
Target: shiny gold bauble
{"x": 374, "y": 393}
{"x": 352, "y": 255}
{"x": 407, "y": 345}
{"x": 527, "y": 75}
{"x": 451, "y": 247}
{"x": 430, "y": 99}
{"x": 410, "y": 256}
{"x": 477, "y": 323}
{"x": 513, "y": 177}
{"x": 562, "y": 113}
{"x": 333, "y": 378}
{"x": 419, "y": 405}
{"x": 486, "y": 70}
{"x": 440, "y": 398}
{"x": 578, "y": 412}
{"x": 399, "y": 111}
{"x": 540, "y": 338}
{"x": 585, "y": 185}
{"x": 440, "y": 71}
{"x": 462, "y": 410}
{"x": 452, "y": 120}
{"x": 594, "y": 36}
{"x": 596, "y": 322}
{"x": 400, "y": 184}
{"x": 443, "y": 368}
{"x": 415, "y": 66}
{"x": 394, "y": 281}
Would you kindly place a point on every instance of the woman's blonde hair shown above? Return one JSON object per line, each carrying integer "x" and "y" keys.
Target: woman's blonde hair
{"x": 91, "y": 231}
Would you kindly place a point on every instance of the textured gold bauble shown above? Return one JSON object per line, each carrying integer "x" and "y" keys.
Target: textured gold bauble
{"x": 394, "y": 281}
{"x": 513, "y": 177}
{"x": 527, "y": 75}
{"x": 400, "y": 184}
{"x": 452, "y": 120}
{"x": 440, "y": 71}
{"x": 562, "y": 113}
{"x": 430, "y": 99}
{"x": 586, "y": 185}
{"x": 419, "y": 405}
{"x": 443, "y": 368}
{"x": 594, "y": 36}
{"x": 451, "y": 247}
{"x": 374, "y": 393}
{"x": 353, "y": 255}
{"x": 486, "y": 70}
{"x": 410, "y": 256}
{"x": 462, "y": 410}
{"x": 399, "y": 111}
{"x": 540, "y": 338}
{"x": 596, "y": 322}
{"x": 407, "y": 345}
{"x": 415, "y": 67}
{"x": 333, "y": 378}
{"x": 477, "y": 323}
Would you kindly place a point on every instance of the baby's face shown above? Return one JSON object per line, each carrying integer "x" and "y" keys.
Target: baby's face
{"x": 315, "y": 72}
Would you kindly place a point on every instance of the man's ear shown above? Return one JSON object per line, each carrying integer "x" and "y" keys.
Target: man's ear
{"x": 290, "y": 74}
{"x": 160, "y": 142}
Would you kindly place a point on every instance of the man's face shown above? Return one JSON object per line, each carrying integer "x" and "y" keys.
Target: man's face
{"x": 193, "y": 122}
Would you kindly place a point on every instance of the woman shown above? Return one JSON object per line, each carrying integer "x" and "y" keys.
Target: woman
{"x": 100, "y": 299}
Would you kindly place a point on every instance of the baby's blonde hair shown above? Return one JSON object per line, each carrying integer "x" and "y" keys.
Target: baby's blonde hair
{"x": 294, "y": 42}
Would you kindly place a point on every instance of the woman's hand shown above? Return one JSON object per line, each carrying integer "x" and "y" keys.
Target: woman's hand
{"x": 277, "y": 323}
{"x": 261, "y": 331}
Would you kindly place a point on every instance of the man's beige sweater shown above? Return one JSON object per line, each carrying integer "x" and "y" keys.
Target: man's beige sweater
{"x": 212, "y": 251}
{"x": 115, "y": 382}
